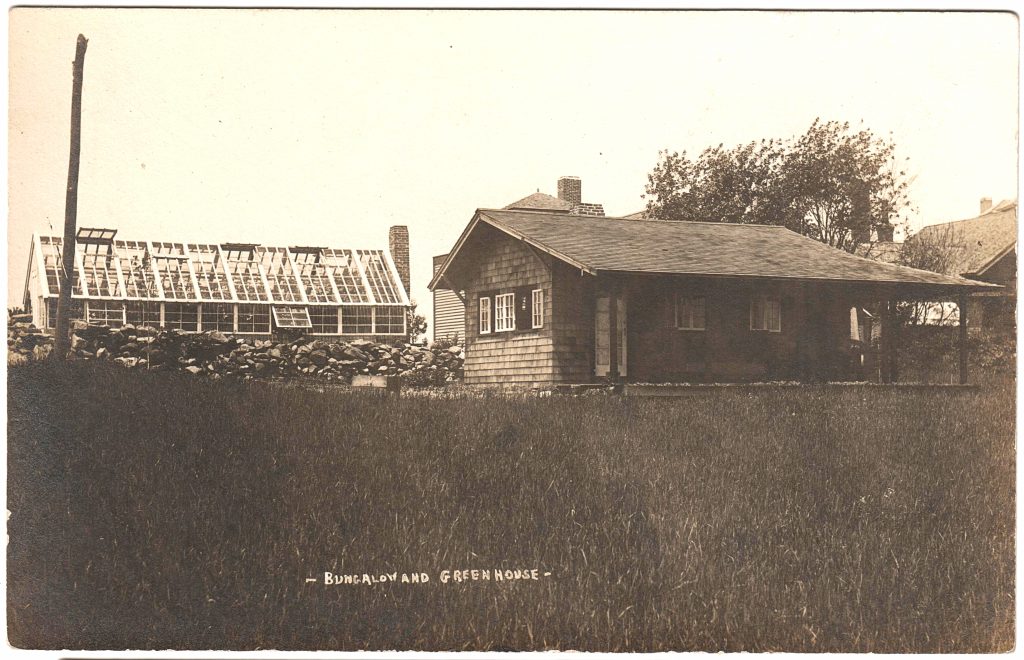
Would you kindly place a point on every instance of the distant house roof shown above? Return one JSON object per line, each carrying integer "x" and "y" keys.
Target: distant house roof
{"x": 596, "y": 244}
{"x": 539, "y": 201}
{"x": 978, "y": 242}
{"x": 639, "y": 215}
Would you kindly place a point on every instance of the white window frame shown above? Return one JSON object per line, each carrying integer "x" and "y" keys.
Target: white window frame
{"x": 485, "y": 315}
{"x": 760, "y": 317}
{"x": 505, "y": 302}
{"x": 688, "y": 324}
{"x": 537, "y": 308}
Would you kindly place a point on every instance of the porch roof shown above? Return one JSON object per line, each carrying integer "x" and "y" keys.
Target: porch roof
{"x": 596, "y": 244}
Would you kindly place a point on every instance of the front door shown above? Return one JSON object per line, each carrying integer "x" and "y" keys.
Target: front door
{"x": 603, "y": 335}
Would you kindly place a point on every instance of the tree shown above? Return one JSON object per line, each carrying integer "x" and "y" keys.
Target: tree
{"x": 416, "y": 325}
{"x": 937, "y": 250}
{"x": 830, "y": 183}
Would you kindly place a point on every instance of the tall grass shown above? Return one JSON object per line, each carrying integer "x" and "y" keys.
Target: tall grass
{"x": 150, "y": 512}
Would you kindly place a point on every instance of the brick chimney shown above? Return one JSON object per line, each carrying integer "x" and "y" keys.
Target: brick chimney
{"x": 570, "y": 189}
{"x": 398, "y": 246}
{"x": 986, "y": 204}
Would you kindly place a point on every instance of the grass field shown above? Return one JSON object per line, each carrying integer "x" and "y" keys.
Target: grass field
{"x": 152, "y": 512}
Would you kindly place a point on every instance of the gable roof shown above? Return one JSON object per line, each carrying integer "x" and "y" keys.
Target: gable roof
{"x": 541, "y": 202}
{"x": 596, "y": 244}
{"x": 979, "y": 242}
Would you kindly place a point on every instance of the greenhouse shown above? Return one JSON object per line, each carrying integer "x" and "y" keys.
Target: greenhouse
{"x": 237, "y": 288}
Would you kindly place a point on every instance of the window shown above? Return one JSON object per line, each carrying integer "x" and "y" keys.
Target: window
{"x": 485, "y": 315}
{"x": 324, "y": 319}
{"x": 765, "y": 314}
{"x": 292, "y": 317}
{"x": 218, "y": 316}
{"x": 538, "y": 308}
{"x": 356, "y": 320}
{"x": 51, "y": 311}
{"x": 254, "y": 319}
{"x": 505, "y": 312}
{"x": 181, "y": 316}
{"x": 106, "y": 312}
{"x": 389, "y": 320}
{"x": 144, "y": 314}
{"x": 690, "y": 312}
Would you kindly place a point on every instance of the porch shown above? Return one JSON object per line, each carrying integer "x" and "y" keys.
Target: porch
{"x": 698, "y": 329}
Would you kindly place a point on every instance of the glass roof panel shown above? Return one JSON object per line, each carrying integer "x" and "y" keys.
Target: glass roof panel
{"x": 284, "y": 286}
{"x": 346, "y": 276}
{"x": 137, "y": 269}
{"x": 210, "y": 273}
{"x": 316, "y": 274}
{"x": 379, "y": 276}
{"x": 100, "y": 272}
{"x": 245, "y": 273}
{"x": 175, "y": 278}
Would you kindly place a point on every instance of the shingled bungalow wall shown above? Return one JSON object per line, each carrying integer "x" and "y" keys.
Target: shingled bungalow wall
{"x": 514, "y": 358}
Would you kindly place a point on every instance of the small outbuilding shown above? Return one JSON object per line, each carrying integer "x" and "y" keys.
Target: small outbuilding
{"x": 553, "y": 298}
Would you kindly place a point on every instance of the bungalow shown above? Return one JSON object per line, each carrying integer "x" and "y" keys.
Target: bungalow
{"x": 553, "y": 298}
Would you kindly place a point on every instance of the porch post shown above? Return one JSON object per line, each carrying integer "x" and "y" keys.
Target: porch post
{"x": 886, "y": 341}
{"x": 613, "y": 331}
{"x": 895, "y": 345}
{"x": 963, "y": 338}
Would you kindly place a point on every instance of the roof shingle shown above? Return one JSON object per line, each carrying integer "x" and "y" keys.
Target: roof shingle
{"x": 975, "y": 242}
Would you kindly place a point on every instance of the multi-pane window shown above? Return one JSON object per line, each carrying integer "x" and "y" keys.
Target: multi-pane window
{"x": 357, "y": 320}
{"x": 218, "y": 316}
{"x": 75, "y": 312}
{"x": 690, "y": 312}
{"x": 106, "y": 312}
{"x": 537, "y": 308}
{"x": 324, "y": 319}
{"x": 254, "y": 319}
{"x": 143, "y": 313}
{"x": 181, "y": 316}
{"x": 485, "y": 315}
{"x": 765, "y": 314}
{"x": 389, "y": 320}
{"x": 505, "y": 312}
{"x": 292, "y": 317}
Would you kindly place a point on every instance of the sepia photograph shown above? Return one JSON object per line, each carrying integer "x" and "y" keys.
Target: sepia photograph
{"x": 481, "y": 330}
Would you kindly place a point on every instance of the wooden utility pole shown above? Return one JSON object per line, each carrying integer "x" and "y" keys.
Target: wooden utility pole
{"x": 62, "y": 340}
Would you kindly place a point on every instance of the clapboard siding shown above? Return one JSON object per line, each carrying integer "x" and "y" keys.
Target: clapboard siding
{"x": 449, "y": 312}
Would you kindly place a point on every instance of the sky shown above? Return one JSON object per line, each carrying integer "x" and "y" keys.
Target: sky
{"x": 288, "y": 127}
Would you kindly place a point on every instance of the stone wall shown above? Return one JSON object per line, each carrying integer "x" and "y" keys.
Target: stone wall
{"x": 216, "y": 355}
